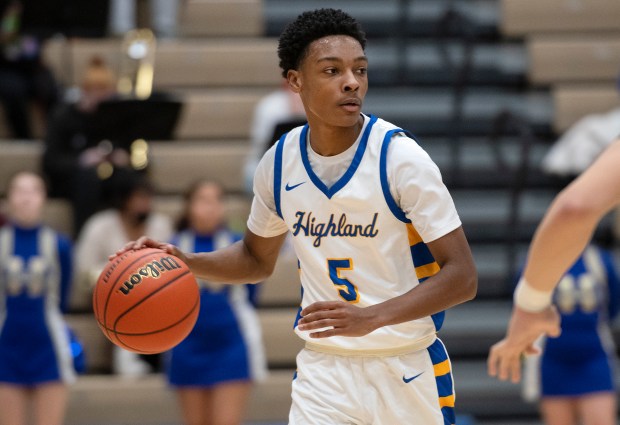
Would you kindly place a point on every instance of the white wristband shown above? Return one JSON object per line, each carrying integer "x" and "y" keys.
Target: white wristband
{"x": 531, "y": 299}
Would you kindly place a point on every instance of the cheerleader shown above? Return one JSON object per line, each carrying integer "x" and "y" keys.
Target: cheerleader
{"x": 35, "y": 356}
{"x": 214, "y": 367}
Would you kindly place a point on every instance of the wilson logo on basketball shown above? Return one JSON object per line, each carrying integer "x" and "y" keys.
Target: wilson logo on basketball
{"x": 153, "y": 269}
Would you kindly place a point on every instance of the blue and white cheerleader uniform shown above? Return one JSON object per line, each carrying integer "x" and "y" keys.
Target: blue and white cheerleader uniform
{"x": 580, "y": 360}
{"x": 226, "y": 342}
{"x": 35, "y": 275}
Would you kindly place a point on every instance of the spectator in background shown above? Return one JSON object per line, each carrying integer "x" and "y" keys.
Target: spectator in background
{"x": 35, "y": 274}
{"x": 576, "y": 369}
{"x": 275, "y": 114}
{"x": 163, "y": 17}
{"x": 76, "y": 160}
{"x": 23, "y": 76}
{"x": 583, "y": 142}
{"x": 130, "y": 216}
{"x": 213, "y": 368}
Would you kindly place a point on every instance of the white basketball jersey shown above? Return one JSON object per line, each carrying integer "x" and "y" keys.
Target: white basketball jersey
{"x": 353, "y": 242}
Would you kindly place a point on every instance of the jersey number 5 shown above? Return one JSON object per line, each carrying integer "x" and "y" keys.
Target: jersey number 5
{"x": 346, "y": 289}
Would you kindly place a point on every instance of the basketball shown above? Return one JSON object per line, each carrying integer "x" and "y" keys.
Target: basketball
{"x": 146, "y": 301}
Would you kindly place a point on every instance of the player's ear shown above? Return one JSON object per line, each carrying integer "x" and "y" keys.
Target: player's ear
{"x": 294, "y": 80}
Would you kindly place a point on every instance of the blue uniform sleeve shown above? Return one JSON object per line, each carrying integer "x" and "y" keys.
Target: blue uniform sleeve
{"x": 613, "y": 283}
{"x": 66, "y": 261}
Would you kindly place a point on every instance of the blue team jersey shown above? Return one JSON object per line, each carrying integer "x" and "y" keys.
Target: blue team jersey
{"x": 35, "y": 266}
{"x": 225, "y": 344}
{"x": 580, "y": 361}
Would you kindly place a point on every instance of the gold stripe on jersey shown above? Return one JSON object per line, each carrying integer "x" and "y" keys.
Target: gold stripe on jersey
{"x": 427, "y": 270}
{"x": 414, "y": 236}
{"x": 425, "y": 264}
{"x": 442, "y": 368}
{"x": 447, "y": 401}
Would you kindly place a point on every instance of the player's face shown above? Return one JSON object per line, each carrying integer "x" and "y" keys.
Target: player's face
{"x": 332, "y": 80}
{"x": 206, "y": 209}
{"x": 26, "y": 198}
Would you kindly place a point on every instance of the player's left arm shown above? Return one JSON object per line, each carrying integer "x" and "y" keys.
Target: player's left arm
{"x": 455, "y": 283}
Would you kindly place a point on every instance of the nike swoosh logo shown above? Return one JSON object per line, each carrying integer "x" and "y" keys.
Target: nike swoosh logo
{"x": 407, "y": 380}
{"x": 287, "y": 187}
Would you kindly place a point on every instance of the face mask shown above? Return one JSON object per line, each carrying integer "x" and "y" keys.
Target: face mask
{"x": 141, "y": 218}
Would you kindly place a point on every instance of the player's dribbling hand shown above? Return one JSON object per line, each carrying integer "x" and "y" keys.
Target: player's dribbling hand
{"x": 523, "y": 330}
{"x": 341, "y": 318}
{"x": 146, "y": 242}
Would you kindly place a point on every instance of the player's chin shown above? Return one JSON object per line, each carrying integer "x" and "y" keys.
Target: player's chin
{"x": 344, "y": 118}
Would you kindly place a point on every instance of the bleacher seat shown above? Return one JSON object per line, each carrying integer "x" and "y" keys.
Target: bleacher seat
{"x": 572, "y": 102}
{"x": 282, "y": 288}
{"x": 174, "y": 166}
{"x": 587, "y": 58}
{"x": 210, "y": 114}
{"x": 237, "y": 208}
{"x": 17, "y": 156}
{"x": 524, "y": 17}
{"x": 226, "y": 62}
{"x": 430, "y": 111}
{"x": 178, "y": 63}
{"x": 222, "y": 18}
{"x": 281, "y": 343}
{"x": 213, "y": 114}
{"x": 105, "y": 399}
{"x": 381, "y": 19}
{"x": 423, "y": 63}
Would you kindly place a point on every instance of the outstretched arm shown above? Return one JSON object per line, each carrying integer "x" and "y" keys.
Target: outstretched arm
{"x": 249, "y": 260}
{"x": 569, "y": 223}
{"x": 560, "y": 238}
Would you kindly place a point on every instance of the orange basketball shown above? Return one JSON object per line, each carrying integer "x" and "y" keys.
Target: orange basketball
{"x": 146, "y": 301}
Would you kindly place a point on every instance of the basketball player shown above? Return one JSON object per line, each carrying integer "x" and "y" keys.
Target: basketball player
{"x": 35, "y": 268}
{"x": 380, "y": 245}
{"x": 560, "y": 238}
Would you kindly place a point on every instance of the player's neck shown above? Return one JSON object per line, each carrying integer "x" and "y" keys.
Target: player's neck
{"x": 331, "y": 140}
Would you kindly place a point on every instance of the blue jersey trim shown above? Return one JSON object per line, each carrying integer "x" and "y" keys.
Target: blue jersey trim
{"x": 398, "y": 213}
{"x": 298, "y": 316}
{"x": 277, "y": 174}
{"x": 421, "y": 255}
{"x": 438, "y": 319}
{"x": 357, "y": 159}
{"x": 438, "y": 355}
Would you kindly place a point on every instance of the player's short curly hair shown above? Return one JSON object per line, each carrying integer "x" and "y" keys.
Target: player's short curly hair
{"x": 310, "y": 26}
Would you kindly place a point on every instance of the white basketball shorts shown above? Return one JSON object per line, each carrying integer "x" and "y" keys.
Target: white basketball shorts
{"x": 415, "y": 388}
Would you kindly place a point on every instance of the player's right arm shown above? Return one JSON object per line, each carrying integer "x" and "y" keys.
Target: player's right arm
{"x": 249, "y": 260}
{"x": 254, "y": 257}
